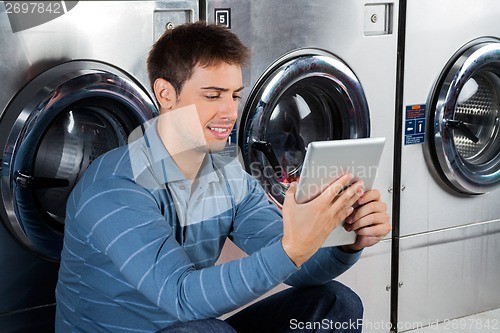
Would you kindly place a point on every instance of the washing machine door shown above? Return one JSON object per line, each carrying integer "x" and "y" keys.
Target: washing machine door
{"x": 50, "y": 133}
{"x": 464, "y": 142}
{"x": 306, "y": 95}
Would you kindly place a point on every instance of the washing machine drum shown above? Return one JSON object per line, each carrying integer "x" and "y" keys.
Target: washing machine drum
{"x": 464, "y": 141}
{"x": 52, "y": 130}
{"x": 306, "y": 95}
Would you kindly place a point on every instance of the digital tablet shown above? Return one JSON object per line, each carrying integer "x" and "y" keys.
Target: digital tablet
{"x": 326, "y": 161}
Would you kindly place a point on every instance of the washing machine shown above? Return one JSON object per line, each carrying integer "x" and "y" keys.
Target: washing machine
{"x": 449, "y": 227}
{"x": 319, "y": 70}
{"x": 72, "y": 88}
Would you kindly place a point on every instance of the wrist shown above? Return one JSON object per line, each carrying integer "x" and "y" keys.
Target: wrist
{"x": 349, "y": 248}
{"x": 290, "y": 253}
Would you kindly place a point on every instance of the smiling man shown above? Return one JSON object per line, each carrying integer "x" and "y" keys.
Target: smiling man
{"x": 147, "y": 222}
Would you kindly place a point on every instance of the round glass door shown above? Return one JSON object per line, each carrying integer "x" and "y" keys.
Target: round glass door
{"x": 465, "y": 143}
{"x": 307, "y": 95}
{"x": 76, "y": 112}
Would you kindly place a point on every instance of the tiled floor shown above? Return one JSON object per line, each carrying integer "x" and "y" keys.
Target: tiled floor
{"x": 479, "y": 323}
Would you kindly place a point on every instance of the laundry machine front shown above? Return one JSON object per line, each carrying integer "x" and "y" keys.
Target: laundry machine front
{"x": 449, "y": 230}
{"x": 72, "y": 89}
{"x": 319, "y": 70}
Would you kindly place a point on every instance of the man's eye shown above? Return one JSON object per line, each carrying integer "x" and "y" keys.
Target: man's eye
{"x": 236, "y": 97}
{"x": 212, "y": 97}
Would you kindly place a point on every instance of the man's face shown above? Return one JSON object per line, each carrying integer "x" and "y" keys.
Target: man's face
{"x": 215, "y": 91}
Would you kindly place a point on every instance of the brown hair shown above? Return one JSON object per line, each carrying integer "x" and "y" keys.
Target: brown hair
{"x": 174, "y": 56}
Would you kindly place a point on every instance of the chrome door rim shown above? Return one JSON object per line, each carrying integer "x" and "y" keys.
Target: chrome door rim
{"x": 479, "y": 172}
{"x": 287, "y": 71}
{"x": 49, "y": 94}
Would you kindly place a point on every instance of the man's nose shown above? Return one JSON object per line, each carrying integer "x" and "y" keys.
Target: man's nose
{"x": 229, "y": 109}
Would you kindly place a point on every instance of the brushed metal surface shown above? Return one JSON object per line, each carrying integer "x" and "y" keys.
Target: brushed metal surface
{"x": 449, "y": 274}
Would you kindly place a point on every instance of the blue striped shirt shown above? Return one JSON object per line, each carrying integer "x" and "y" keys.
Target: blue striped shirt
{"x": 141, "y": 242}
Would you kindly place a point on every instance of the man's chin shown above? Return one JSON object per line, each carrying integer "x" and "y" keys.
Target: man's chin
{"x": 216, "y": 147}
{"x": 213, "y": 148}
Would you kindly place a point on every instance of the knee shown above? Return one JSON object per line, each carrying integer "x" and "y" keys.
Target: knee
{"x": 345, "y": 299}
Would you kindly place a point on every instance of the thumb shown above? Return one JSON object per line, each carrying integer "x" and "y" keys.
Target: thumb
{"x": 290, "y": 193}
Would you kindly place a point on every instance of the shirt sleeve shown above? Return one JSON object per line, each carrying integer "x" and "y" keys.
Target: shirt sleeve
{"x": 124, "y": 223}
{"x": 259, "y": 222}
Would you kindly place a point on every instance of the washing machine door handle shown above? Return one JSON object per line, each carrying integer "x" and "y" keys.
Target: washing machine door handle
{"x": 267, "y": 149}
{"x": 30, "y": 182}
{"x": 462, "y": 128}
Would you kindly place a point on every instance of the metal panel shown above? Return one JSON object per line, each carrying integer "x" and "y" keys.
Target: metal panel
{"x": 449, "y": 274}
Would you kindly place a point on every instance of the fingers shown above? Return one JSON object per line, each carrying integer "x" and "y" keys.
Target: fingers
{"x": 350, "y": 195}
{"x": 368, "y": 203}
{"x": 333, "y": 190}
{"x": 377, "y": 227}
{"x": 370, "y": 219}
{"x": 353, "y": 193}
{"x": 372, "y": 195}
{"x": 343, "y": 203}
{"x": 290, "y": 193}
{"x": 378, "y": 231}
{"x": 369, "y": 208}
{"x": 369, "y": 236}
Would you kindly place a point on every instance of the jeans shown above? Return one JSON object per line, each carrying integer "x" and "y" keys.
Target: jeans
{"x": 331, "y": 307}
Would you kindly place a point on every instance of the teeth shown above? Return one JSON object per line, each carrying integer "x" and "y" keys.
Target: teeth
{"x": 218, "y": 130}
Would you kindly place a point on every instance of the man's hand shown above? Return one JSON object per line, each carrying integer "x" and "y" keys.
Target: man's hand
{"x": 369, "y": 221}
{"x": 306, "y": 226}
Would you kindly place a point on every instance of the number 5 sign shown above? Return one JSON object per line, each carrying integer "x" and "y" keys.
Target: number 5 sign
{"x": 223, "y": 17}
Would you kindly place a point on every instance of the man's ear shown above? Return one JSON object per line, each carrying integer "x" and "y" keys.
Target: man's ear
{"x": 165, "y": 94}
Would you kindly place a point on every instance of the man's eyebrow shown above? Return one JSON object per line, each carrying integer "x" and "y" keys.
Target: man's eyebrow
{"x": 222, "y": 89}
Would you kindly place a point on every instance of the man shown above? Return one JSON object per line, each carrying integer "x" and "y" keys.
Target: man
{"x": 147, "y": 222}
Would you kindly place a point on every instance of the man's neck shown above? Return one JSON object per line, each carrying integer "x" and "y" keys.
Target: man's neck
{"x": 189, "y": 162}
{"x": 187, "y": 159}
